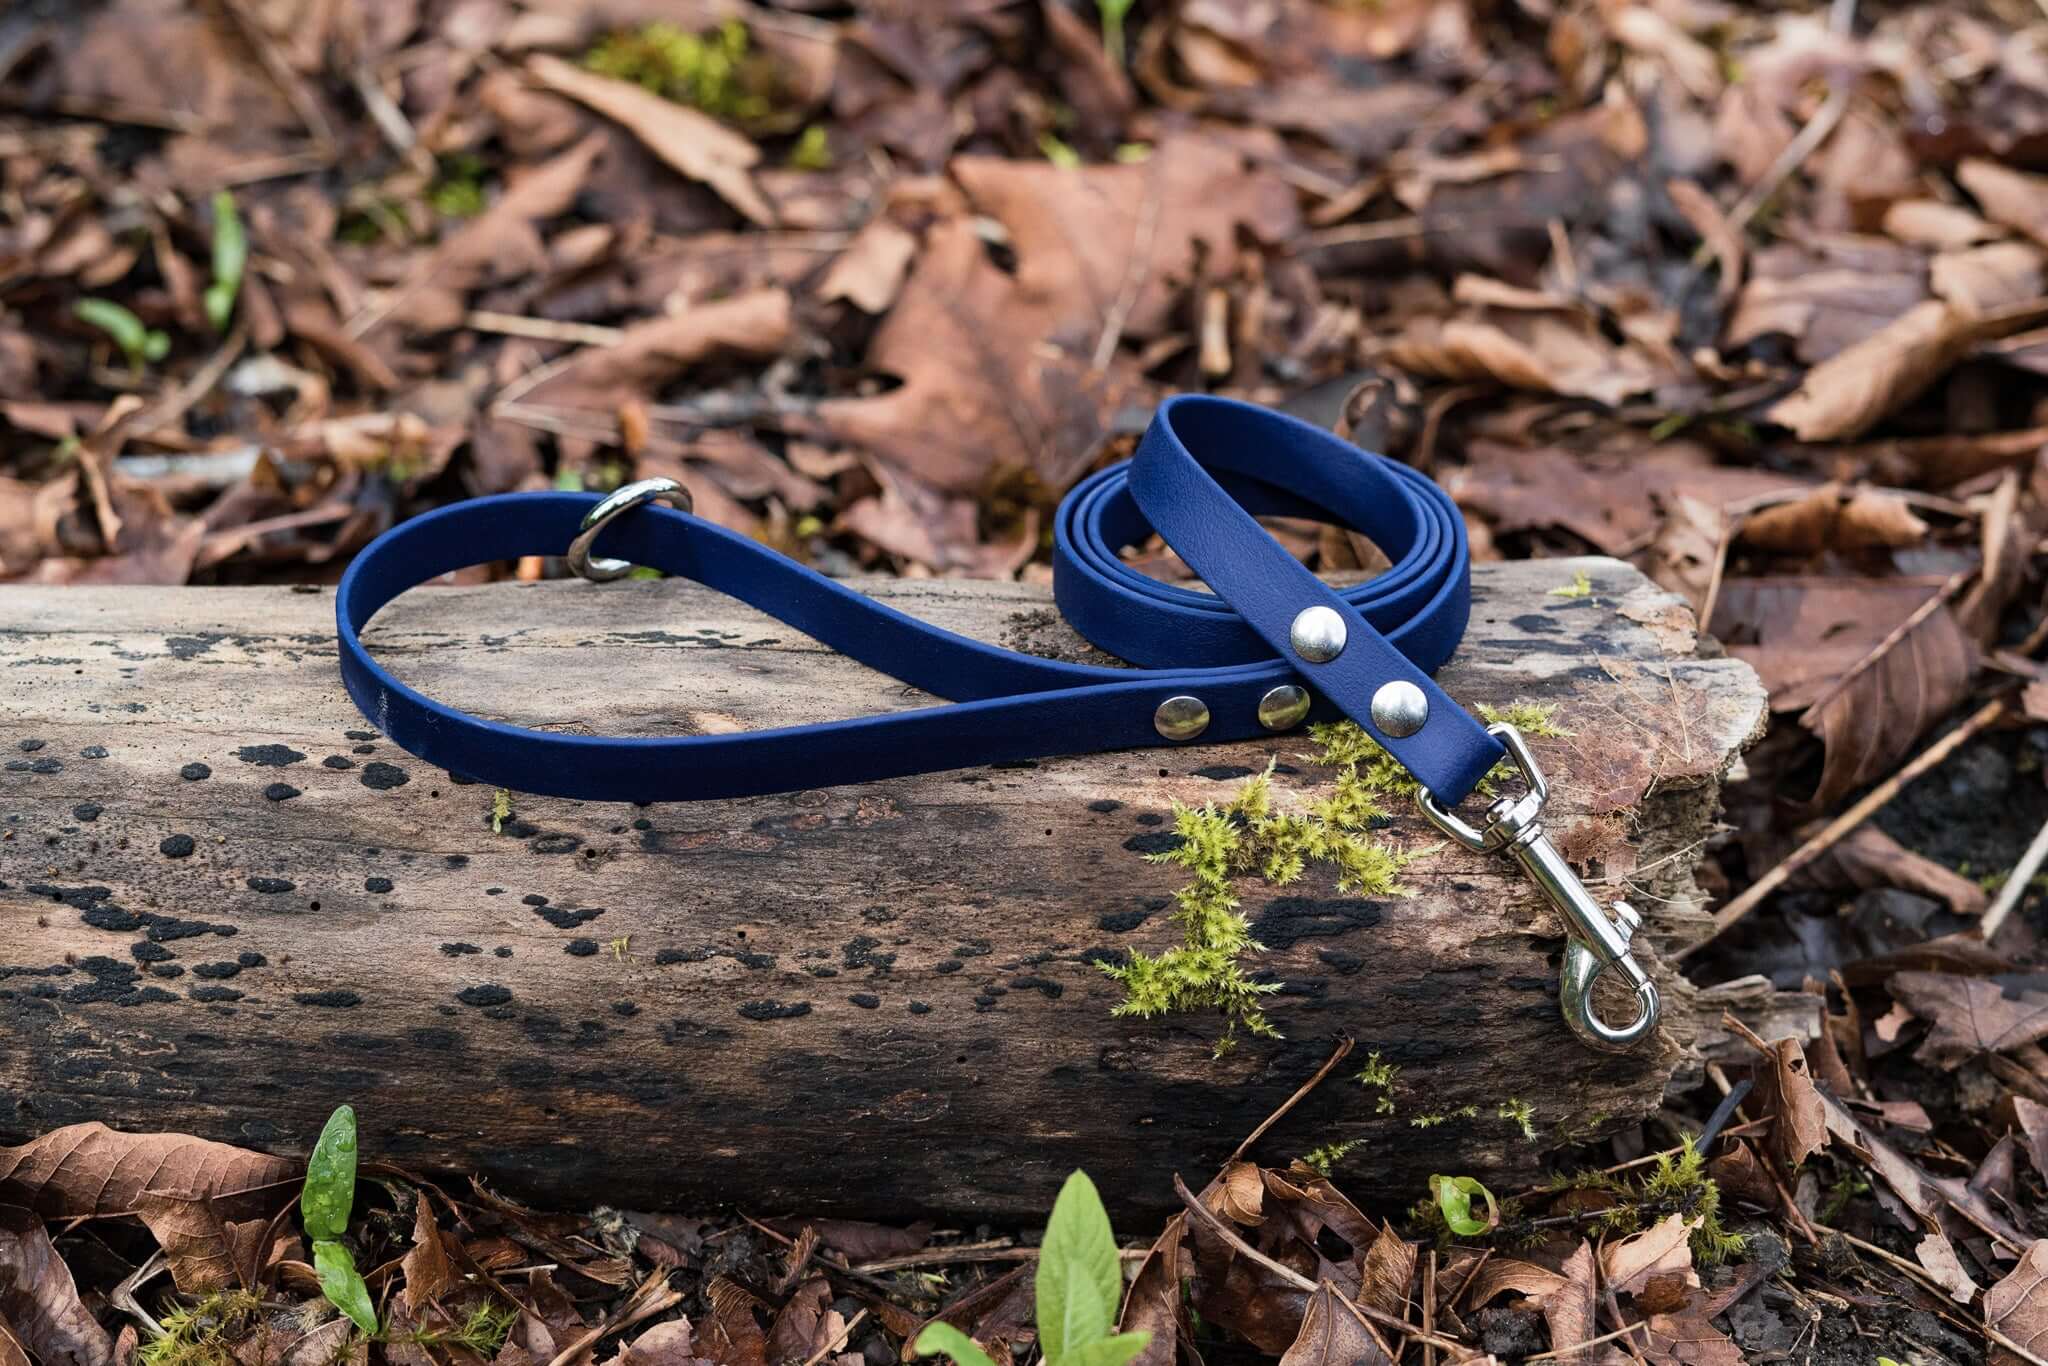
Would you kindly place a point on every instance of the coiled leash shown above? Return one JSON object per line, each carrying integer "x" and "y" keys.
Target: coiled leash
{"x": 1271, "y": 648}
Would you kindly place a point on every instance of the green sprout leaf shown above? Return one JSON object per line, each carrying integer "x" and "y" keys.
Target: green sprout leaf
{"x": 1113, "y": 12}
{"x": 230, "y": 259}
{"x": 1080, "y": 1281}
{"x": 139, "y": 344}
{"x": 1454, "y": 1197}
{"x": 943, "y": 1339}
{"x": 331, "y": 1178}
{"x": 343, "y": 1285}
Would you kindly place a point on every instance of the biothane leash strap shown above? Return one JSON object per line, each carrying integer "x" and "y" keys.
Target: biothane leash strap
{"x": 1269, "y": 649}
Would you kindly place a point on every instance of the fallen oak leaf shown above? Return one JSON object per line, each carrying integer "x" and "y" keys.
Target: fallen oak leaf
{"x": 2017, "y": 1308}
{"x": 429, "y": 1271}
{"x": 1971, "y": 1015}
{"x": 90, "y": 1171}
{"x": 695, "y": 144}
{"x": 2013, "y": 198}
{"x": 39, "y": 1305}
{"x": 1665, "y": 1247}
{"x": 1938, "y": 1256}
{"x": 1333, "y": 1336}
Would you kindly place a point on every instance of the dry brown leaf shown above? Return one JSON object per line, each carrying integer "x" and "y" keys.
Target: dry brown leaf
{"x": 1852, "y": 391}
{"x": 2033, "y": 1118}
{"x": 91, "y": 1171}
{"x": 197, "y": 1242}
{"x": 1688, "y": 1340}
{"x": 1931, "y": 223}
{"x": 1870, "y": 858}
{"x": 1387, "y": 1271}
{"x": 1571, "y": 1309}
{"x": 2014, "y": 198}
{"x": 428, "y": 1269}
{"x": 653, "y": 353}
{"x": 12, "y": 1351}
{"x": 1926, "y": 1195}
{"x": 39, "y": 1301}
{"x": 1555, "y": 352}
{"x": 1981, "y": 280}
{"x": 1240, "y": 1193}
{"x": 871, "y": 269}
{"x": 695, "y": 144}
{"x": 1155, "y": 1303}
{"x": 732, "y": 1336}
{"x": 665, "y": 1344}
{"x": 1971, "y": 1015}
{"x": 1661, "y": 1249}
{"x": 2018, "y": 1308}
{"x": 1938, "y": 1256}
{"x": 1333, "y": 1335}
{"x": 1715, "y": 230}
{"x": 1834, "y": 518}
{"x": 1785, "y": 1092}
{"x": 1868, "y": 724}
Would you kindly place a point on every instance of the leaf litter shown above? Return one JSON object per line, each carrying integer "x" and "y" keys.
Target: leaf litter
{"x": 1752, "y": 297}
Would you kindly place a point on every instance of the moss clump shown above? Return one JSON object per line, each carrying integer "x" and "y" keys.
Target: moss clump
{"x": 1579, "y": 587}
{"x": 1380, "y": 774}
{"x": 715, "y": 71}
{"x": 1522, "y": 1113}
{"x": 1676, "y": 1184}
{"x": 202, "y": 1333}
{"x": 1378, "y": 1075}
{"x": 483, "y": 1331}
{"x": 1220, "y": 844}
{"x": 813, "y": 151}
{"x": 1320, "y": 1160}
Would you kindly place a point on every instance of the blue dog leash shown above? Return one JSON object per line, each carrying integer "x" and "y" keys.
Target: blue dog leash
{"x": 1271, "y": 648}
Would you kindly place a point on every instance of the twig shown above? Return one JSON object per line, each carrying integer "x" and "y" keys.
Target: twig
{"x": 1892, "y": 638}
{"x": 837, "y": 1341}
{"x": 1343, "y": 1048}
{"x": 652, "y": 1296}
{"x": 1136, "y": 272}
{"x": 541, "y": 329}
{"x": 2015, "y": 885}
{"x": 1578, "y": 1347}
{"x": 1843, "y": 824}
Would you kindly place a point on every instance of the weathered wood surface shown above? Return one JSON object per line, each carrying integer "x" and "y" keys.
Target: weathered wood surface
{"x": 867, "y": 999}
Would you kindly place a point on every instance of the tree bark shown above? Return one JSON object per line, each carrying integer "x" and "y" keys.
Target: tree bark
{"x": 226, "y": 906}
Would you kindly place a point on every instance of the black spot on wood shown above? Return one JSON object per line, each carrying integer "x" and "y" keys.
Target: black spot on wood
{"x": 31, "y": 746}
{"x": 252, "y": 960}
{"x": 1045, "y": 986}
{"x": 212, "y": 995}
{"x": 563, "y": 918}
{"x": 195, "y": 772}
{"x": 87, "y": 811}
{"x": 774, "y": 1010}
{"x": 377, "y": 884}
{"x": 176, "y": 846}
{"x": 865, "y": 1000}
{"x": 1157, "y": 842}
{"x": 143, "y": 951}
{"x": 625, "y": 1009}
{"x": 1102, "y": 806}
{"x": 457, "y": 950}
{"x": 332, "y": 1000}
{"x": 270, "y": 886}
{"x": 1151, "y": 818}
{"x": 340, "y": 763}
{"x": 268, "y": 756}
{"x": 280, "y": 792}
{"x": 1122, "y": 922}
{"x": 1346, "y": 964}
{"x": 580, "y": 948}
{"x": 949, "y": 965}
{"x": 93, "y": 752}
{"x": 360, "y": 735}
{"x": 217, "y": 972}
{"x": 556, "y": 844}
{"x": 1221, "y": 772}
{"x": 1288, "y": 920}
{"x": 484, "y": 994}
{"x": 364, "y": 749}
{"x": 382, "y": 777}
{"x": 920, "y": 1008}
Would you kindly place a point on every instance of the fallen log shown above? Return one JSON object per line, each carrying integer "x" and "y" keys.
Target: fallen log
{"x": 227, "y": 905}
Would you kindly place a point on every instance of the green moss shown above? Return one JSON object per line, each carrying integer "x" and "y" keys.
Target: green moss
{"x": 1522, "y": 1113}
{"x": 715, "y": 71}
{"x": 501, "y": 810}
{"x": 1249, "y": 835}
{"x": 1377, "y": 773}
{"x": 1579, "y": 587}
{"x": 1378, "y": 1075}
{"x": 482, "y": 1332}
{"x": 813, "y": 150}
{"x": 1676, "y": 1184}
{"x": 458, "y": 188}
{"x": 202, "y": 1333}
{"x": 1322, "y": 1159}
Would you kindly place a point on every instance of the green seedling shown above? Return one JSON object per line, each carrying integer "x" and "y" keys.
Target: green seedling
{"x": 1112, "y": 13}
{"x": 230, "y": 260}
{"x": 1454, "y": 1197}
{"x": 141, "y": 345}
{"x": 1080, "y": 1285}
{"x": 324, "y": 1205}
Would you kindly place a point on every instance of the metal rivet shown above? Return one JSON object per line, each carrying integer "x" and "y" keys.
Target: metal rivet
{"x": 1181, "y": 717}
{"x": 1317, "y": 635}
{"x": 1284, "y": 707}
{"x": 1399, "y": 709}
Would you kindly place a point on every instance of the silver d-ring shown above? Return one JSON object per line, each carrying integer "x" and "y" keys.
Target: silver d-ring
{"x": 626, "y": 496}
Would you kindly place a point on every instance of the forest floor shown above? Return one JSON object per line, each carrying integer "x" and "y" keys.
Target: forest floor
{"x": 1750, "y": 295}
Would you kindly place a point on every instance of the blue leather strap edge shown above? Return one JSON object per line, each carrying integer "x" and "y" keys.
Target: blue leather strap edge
{"x": 1006, "y": 706}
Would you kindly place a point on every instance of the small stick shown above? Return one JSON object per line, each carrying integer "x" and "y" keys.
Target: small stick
{"x": 1842, "y": 825}
{"x": 1429, "y": 1308}
{"x": 838, "y": 1340}
{"x": 1343, "y": 1048}
{"x": 2015, "y": 885}
{"x": 541, "y": 329}
{"x": 1582, "y": 1346}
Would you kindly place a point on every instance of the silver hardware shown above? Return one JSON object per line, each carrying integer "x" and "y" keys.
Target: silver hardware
{"x": 1317, "y": 635}
{"x": 1181, "y": 718}
{"x": 1284, "y": 707}
{"x": 1399, "y": 709}
{"x": 621, "y": 499}
{"x": 1598, "y": 944}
